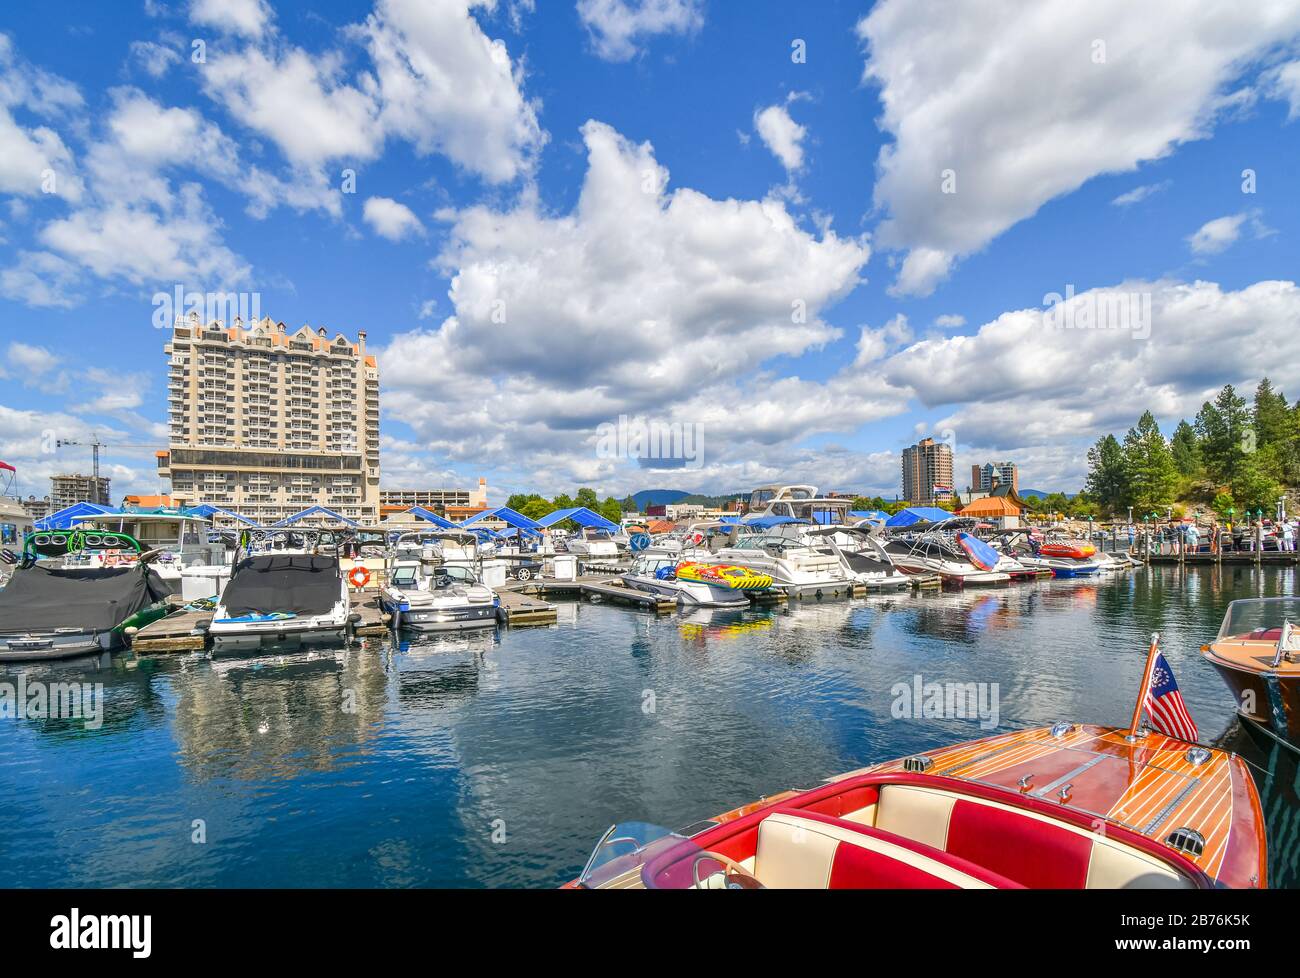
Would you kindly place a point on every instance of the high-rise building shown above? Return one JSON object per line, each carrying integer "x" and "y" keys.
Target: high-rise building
{"x": 269, "y": 422}
{"x": 927, "y": 472}
{"x": 981, "y": 476}
{"x": 68, "y": 490}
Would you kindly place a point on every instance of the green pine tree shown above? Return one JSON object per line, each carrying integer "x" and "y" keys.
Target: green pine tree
{"x": 1150, "y": 472}
{"x": 1186, "y": 450}
{"x": 1226, "y": 434}
{"x": 1107, "y": 478}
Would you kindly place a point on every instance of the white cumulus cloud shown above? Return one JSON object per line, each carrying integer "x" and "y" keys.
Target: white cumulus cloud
{"x": 617, "y": 27}
{"x": 1053, "y": 94}
{"x": 391, "y": 219}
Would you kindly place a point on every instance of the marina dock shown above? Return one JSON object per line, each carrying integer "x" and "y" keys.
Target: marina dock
{"x": 519, "y": 609}
{"x": 1238, "y": 559}
{"x": 181, "y": 631}
{"x": 613, "y": 589}
{"x": 187, "y": 631}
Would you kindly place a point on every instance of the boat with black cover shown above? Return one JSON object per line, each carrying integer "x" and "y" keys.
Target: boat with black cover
{"x": 51, "y": 613}
{"x": 280, "y": 598}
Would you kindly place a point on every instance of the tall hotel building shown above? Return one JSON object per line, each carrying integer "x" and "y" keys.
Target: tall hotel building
{"x": 267, "y": 422}
{"x": 927, "y": 472}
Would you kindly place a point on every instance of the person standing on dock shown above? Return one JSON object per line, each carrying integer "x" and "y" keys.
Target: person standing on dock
{"x": 1288, "y": 536}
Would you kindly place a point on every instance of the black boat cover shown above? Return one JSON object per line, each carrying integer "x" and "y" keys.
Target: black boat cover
{"x": 41, "y": 599}
{"x": 303, "y": 584}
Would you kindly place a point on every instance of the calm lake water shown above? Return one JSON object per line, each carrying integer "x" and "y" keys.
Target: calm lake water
{"x": 498, "y": 759}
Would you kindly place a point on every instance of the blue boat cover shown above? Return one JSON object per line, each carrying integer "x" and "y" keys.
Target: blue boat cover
{"x": 919, "y": 514}
{"x": 980, "y": 553}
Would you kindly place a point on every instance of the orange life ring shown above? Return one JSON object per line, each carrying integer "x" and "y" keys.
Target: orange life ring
{"x": 359, "y": 576}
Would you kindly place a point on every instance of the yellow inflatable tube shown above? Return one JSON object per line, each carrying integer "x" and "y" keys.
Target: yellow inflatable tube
{"x": 723, "y": 575}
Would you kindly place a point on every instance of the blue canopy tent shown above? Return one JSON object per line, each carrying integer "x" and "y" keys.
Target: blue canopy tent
{"x": 432, "y": 517}
{"x": 63, "y": 519}
{"x": 514, "y": 531}
{"x": 919, "y": 514}
{"x": 506, "y": 515}
{"x": 316, "y": 511}
{"x": 582, "y": 516}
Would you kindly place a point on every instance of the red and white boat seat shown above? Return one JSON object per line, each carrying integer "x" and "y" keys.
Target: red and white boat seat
{"x": 1024, "y": 846}
{"x": 804, "y": 850}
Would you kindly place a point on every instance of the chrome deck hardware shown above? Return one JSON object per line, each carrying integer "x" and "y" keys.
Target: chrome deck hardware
{"x": 1186, "y": 840}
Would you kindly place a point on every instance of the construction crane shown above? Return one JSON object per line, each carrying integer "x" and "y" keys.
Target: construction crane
{"x": 95, "y": 445}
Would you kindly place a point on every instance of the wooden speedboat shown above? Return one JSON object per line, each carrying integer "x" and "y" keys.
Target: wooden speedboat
{"x": 1071, "y": 806}
{"x": 1257, "y": 653}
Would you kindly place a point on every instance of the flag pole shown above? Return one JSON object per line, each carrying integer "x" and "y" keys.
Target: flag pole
{"x": 1146, "y": 686}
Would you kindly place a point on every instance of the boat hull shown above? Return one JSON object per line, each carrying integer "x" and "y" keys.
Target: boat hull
{"x": 283, "y": 634}
{"x": 52, "y": 648}
{"x": 695, "y": 593}
{"x": 1263, "y": 696}
{"x": 446, "y": 619}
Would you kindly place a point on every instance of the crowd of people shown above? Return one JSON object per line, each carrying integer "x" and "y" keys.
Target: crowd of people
{"x": 1241, "y": 536}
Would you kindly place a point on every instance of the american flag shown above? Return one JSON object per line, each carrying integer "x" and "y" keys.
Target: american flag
{"x": 1165, "y": 704}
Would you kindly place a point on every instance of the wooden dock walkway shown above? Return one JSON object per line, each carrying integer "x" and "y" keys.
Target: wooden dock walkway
{"x": 613, "y": 589}
{"x": 518, "y": 609}
{"x": 187, "y": 631}
{"x": 181, "y": 631}
{"x": 1237, "y": 559}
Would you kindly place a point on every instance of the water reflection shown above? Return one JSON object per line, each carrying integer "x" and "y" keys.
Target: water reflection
{"x": 497, "y": 757}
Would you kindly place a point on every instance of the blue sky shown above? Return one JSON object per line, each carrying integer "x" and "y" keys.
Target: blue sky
{"x": 501, "y": 152}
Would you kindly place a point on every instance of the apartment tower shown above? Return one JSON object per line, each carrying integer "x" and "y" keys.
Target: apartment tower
{"x": 68, "y": 490}
{"x": 927, "y": 472}
{"x": 268, "y": 422}
{"x": 981, "y": 476}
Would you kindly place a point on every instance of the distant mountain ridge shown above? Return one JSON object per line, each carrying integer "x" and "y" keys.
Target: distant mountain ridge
{"x": 668, "y": 497}
{"x": 1039, "y": 494}
{"x": 657, "y": 497}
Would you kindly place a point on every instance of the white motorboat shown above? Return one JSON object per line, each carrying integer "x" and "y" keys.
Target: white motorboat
{"x": 799, "y": 502}
{"x": 594, "y": 544}
{"x": 936, "y": 552}
{"x": 445, "y": 597}
{"x": 864, "y": 557}
{"x": 655, "y": 571}
{"x": 283, "y": 598}
{"x": 793, "y": 566}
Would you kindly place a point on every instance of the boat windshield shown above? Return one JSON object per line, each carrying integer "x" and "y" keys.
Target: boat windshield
{"x": 648, "y": 565}
{"x": 625, "y": 849}
{"x": 1259, "y": 614}
{"x": 761, "y": 541}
